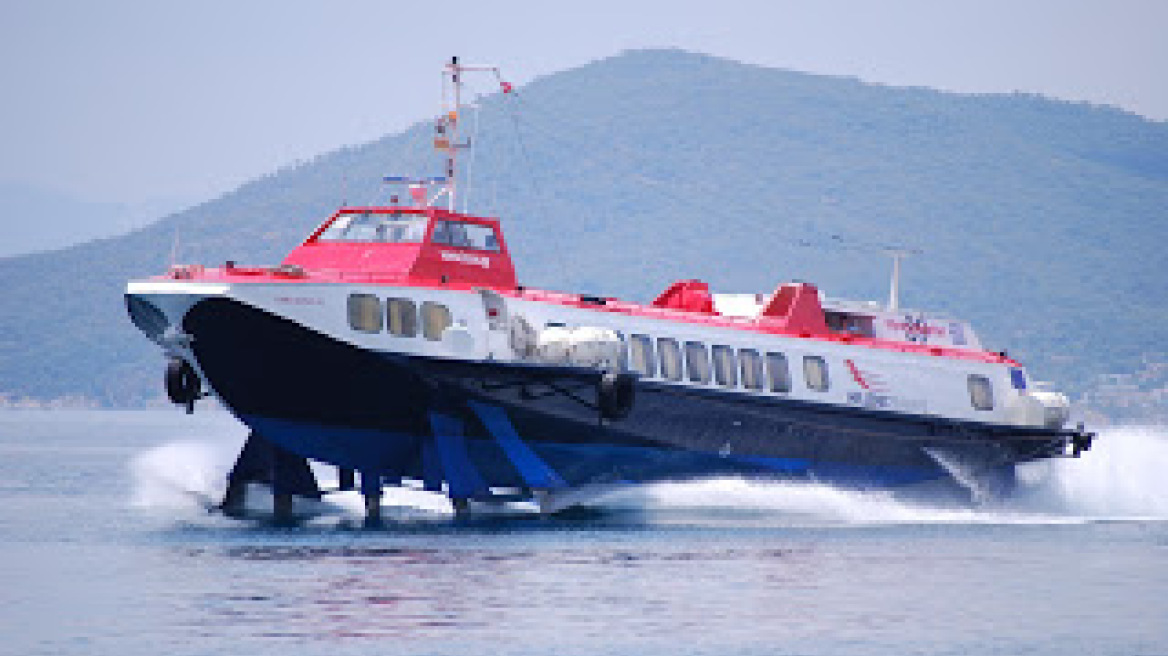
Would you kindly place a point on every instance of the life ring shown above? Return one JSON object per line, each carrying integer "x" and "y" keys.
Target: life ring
{"x": 615, "y": 393}
{"x": 182, "y": 383}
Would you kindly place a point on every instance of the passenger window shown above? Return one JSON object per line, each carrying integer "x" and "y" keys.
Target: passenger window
{"x": 725, "y": 366}
{"x": 670, "y": 354}
{"x": 365, "y": 313}
{"x": 815, "y": 373}
{"x": 697, "y": 361}
{"x": 435, "y": 319}
{"x": 641, "y": 355}
{"x": 778, "y": 372}
{"x": 402, "y": 317}
{"x": 981, "y": 393}
{"x": 751, "y": 364}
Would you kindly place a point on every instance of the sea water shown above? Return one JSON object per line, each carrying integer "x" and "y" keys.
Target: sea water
{"x": 106, "y": 547}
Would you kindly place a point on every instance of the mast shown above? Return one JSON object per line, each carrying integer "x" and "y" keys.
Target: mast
{"x": 897, "y": 254}
{"x": 446, "y": 127}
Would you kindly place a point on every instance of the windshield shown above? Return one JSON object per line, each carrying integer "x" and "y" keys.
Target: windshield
{"x": 383, "y": 228}
{"x": 466, "y": 235}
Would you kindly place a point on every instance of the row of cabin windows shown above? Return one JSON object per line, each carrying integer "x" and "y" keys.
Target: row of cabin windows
{"x": 399, "y": 316}
{"x": 728, "y": 367}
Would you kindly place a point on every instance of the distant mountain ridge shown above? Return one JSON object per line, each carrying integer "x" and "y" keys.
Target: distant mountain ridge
{"x": 1041, "y": 221}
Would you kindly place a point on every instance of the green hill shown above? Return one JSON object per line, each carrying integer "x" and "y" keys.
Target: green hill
{"x": 1042, "y": 222}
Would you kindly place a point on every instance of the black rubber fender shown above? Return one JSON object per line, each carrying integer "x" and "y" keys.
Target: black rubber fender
{"x": 182, "y": 383}
{"x": 615, "y": 394}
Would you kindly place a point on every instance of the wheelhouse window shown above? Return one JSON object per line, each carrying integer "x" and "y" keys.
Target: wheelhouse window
{"x": 752, "y": 374}
{"x": 670, "y": 354}
{"x": 850, "y": 324}
{"x": 778, "y": 373}
{"x": 435, "y": 319}
{"x": 365, "y": 313}
{"x": 402, "y": 317}
{"x": 981, "y": 393}
{"x": 641, "y": 355}
{"x": 697, "y": 362}
{"x": 461, "y": 234}
{"x": 815, "y": 373}
{"x": 375, "y": 227}
{"x": 725, "y": 366}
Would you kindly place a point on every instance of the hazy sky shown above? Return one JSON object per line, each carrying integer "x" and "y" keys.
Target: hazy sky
{"x": 129, "y": 101}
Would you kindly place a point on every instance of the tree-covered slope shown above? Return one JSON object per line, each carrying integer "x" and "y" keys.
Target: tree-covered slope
{"x": 1041, "y": 221}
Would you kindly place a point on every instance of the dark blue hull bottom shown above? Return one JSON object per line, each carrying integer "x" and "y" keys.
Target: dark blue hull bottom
{"x": 476, "y": 425}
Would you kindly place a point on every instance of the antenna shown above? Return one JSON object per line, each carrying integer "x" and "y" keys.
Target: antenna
{"x": 446, "y": 127}
{"x": 897, "y": 254}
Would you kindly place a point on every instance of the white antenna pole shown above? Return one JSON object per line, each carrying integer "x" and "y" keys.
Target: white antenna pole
{"x": 894, "y": 288}
{"x": 897, "y": 255}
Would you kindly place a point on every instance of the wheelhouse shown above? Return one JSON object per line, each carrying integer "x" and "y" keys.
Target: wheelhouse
{"x": 416, "y": 245}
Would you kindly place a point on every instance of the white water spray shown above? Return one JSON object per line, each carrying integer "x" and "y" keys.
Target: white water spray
{"x": 1124, "y": 476}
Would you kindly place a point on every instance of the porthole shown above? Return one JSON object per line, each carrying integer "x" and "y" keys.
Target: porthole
{"x": 365, "y": 313}
{"x": 435, "y": 319}
{"x": 401, "y": 317}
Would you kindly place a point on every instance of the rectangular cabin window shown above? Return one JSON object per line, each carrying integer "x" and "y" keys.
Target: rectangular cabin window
{"x": 778, "y": 373}
{"x": 402, "y": 317}
{"x": 981, "y": 393}
{"x": 856, "y": 325}
{"x": 725, "y": 366}
{"x": 752, "y": 374}
{"x": 697, "y": 361}
{"x": 670, "y": 354}
{"x": 641, "y": 355}
{"x": 815, "y": 373}
{"x": 365, "y": 313}
{"x": 461, "y": 234}
{"x": 435, "y": 319}
{"x": 374, "y": 227}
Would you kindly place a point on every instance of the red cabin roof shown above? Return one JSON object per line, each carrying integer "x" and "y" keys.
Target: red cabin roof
{"x": 424, "y": 245}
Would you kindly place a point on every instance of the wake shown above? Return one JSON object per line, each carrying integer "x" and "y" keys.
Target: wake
{"x": 1123, "y": 477}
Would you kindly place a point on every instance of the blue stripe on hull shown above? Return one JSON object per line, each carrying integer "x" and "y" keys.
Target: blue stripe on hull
{"x": 399, "y": 454}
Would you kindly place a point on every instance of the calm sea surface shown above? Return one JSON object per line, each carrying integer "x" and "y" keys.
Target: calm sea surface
{"x": 105, "y": 548}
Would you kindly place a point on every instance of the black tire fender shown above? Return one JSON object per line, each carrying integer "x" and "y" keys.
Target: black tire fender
{"x": 615, "y": 394}
{"x": 182, "y": 383}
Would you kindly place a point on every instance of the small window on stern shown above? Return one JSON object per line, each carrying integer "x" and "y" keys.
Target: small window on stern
{"x": 981, "y": 392}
